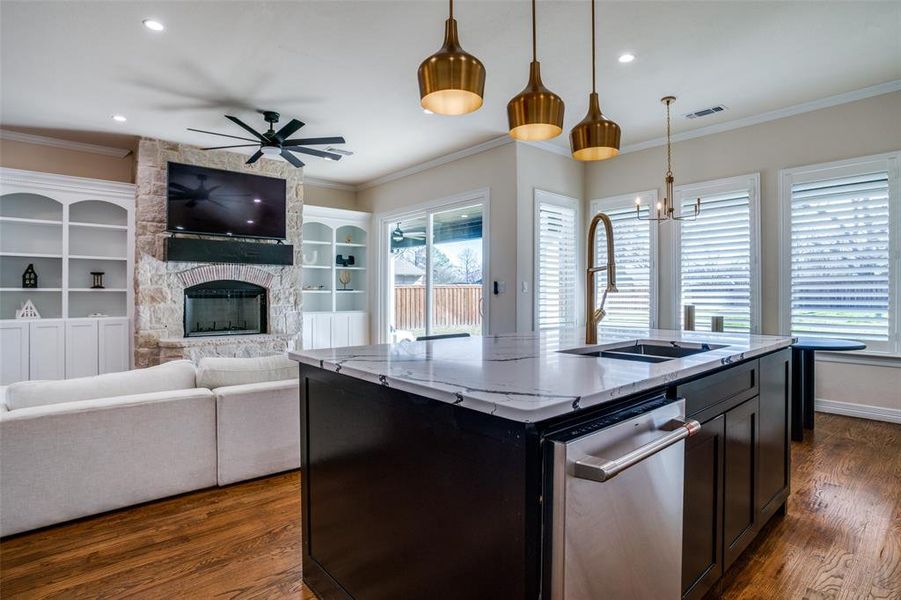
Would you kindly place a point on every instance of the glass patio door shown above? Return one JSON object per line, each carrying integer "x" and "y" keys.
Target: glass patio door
{"x": 436, "y": 272}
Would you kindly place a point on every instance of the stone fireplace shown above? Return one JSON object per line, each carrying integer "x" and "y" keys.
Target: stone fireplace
{"x": 166, "y": 326}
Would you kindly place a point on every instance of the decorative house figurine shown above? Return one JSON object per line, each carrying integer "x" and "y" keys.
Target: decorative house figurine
{"x": 344, "y": 278}
{"x": 29, "y": 277}
{"x": 97, "y": 280}
{"x": 28, "y": 311}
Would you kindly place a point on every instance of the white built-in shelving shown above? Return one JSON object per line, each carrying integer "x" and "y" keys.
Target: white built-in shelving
{"x": 67, "y": 227}
{"x": 335, "y": 314}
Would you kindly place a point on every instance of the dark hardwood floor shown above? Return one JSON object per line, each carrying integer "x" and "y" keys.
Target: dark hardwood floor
{"x": 841, "y": 538}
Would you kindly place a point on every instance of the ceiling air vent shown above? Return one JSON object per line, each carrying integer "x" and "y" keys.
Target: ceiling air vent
{"x": 706, "y": 111}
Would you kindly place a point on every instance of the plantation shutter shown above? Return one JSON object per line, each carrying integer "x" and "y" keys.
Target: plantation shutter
{"x": 716, "y": 260}
{"x": 840, "y": 262}
{"x": 631, "y": 305}
{"x": 557, "y": 266}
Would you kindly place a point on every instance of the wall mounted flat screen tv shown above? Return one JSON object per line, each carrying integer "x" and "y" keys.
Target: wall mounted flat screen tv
{"x": 226, "y": 203}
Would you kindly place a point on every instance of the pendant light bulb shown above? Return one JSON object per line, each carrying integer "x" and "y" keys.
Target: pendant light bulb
{"x": 536, "y": 113}
{"x": 451, "y": 81}
{"x": 595, "y": 137}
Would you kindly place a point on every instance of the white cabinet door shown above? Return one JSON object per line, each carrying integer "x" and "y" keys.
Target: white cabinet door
{"x": 114, "y": 347}
{"x": 81, "y": 348}
{"x": 47, "y": 349}
{"x": 340, "y": 331}
{"x": 322, "y": 331}
{"x": 359, "y": 329}
{"x": 13, "y": 351}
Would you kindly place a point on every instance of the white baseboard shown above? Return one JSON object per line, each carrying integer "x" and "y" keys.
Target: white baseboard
{"x": 861, "y": 411}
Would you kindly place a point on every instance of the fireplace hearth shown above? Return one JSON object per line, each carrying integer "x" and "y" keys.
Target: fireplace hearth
{"x": 225, "y": 307}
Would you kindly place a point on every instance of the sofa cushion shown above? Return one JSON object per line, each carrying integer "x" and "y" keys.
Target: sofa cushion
{"x": 214, "y": 373}
{"x": 176, "y": 375}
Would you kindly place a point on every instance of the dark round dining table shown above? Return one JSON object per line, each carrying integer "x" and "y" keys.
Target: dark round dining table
{"x": 804, "y": 377}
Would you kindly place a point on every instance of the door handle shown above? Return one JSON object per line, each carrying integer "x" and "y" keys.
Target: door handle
{"x": 601, "y": 469}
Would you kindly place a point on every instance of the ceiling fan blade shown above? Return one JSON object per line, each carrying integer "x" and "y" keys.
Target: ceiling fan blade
{"x": 292, "y": 126}
{"x": 313, "y": 152}
{"x": 315, "y": 141}
{"x": 222, "y": 134}
{"x": 179, "y": 187}
{"x": 223, "y": 147}
{"x": 247, "y": 127}
{"x": 254, "y": 158}
{"x": 292, "y": 159}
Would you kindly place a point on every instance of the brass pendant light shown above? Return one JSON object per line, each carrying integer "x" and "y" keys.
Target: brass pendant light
{"x": 536, "y": 113}
{"x": 595, "y": 137}
{"x": 451, "y": 81}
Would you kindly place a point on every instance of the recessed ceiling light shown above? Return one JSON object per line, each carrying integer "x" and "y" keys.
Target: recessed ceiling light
{"x": 626, "y": 57}
{"x": 250, "y": 221}
{"x": 153, "y": 25}
{"x": 463, "y": 216}
{"x": 119, "y": 118}
{"x": 257, "y": 200}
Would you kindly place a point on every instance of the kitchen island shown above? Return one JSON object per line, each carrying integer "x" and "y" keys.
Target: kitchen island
{"x": 434, "y": 469}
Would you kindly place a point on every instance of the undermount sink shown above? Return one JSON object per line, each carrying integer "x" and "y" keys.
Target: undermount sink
{"x": 649, "y": 351}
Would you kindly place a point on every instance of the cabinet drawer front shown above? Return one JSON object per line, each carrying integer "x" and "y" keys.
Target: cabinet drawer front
{"x": 735, "y": 383}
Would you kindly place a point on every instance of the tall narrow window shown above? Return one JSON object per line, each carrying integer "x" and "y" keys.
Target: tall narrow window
{"x": 635, "y": 304}
{"x": 718, "y": 267}
{"x": 556, "y": 262}
{"x": 842, "y": 272}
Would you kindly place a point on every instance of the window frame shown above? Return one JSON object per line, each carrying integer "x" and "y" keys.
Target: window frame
{"x": 713, "y": 187}
{"x": 648, "y": 198}
{"x": 889, "y": 162}
{"x": 543, "y": 196}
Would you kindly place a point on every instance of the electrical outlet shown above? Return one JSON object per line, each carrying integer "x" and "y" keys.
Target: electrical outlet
{"x": 524, "y": 287}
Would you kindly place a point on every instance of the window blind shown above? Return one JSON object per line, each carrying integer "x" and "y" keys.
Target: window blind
{"x": 631, "y": 305}
{"x": 716, "y": 261}
{"x": 557, "y": 266}
{"x": 840, "y": 257}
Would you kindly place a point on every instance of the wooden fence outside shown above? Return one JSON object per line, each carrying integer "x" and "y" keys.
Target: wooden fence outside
{"x": 453, "y": 305}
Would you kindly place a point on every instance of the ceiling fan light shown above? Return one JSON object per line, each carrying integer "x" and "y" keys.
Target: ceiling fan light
{"x": 595, "y": 137}
{"x": 536, "y": 113}
{"x": 451, "y": 81}
{"x": 270, "y": 150}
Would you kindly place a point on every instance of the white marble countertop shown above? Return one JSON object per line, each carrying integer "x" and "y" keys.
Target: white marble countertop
{"x": 523, "y": 377}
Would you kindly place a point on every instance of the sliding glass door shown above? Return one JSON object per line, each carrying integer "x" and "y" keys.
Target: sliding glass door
{"x": 435, "y": 272}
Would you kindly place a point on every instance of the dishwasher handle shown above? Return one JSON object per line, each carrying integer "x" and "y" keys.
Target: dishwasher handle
{"x": 602, "y": 469}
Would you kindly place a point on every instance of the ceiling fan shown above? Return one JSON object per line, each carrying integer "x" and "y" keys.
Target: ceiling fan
{"x": 273, "y": 143}
{"x": 398, "y": 236}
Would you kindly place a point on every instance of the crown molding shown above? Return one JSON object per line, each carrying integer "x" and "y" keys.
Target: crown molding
{"x": 868, "y": 92}
{"x": 551, "y": 147}
{"x": 66, "y": 183}
{"x": 437, "y": 162}
{"x": 332, "y": 185}
{"x": 27, "y": 138}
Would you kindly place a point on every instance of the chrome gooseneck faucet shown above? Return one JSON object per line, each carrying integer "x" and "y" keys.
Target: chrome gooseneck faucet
{"x": 594, "y": 315}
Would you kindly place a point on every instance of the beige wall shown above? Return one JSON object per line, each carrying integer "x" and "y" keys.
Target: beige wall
{"x": 860, "y": 128}
{"x": 494, "y": 169}
{"x": 315, "y": 195}
{"x": 49, "y": 159}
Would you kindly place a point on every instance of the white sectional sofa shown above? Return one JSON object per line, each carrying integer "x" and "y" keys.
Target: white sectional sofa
{"x": 79, "y": 447}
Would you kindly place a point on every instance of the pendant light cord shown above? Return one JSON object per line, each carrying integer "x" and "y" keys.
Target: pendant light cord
{"x": 593, "y": 51}
{"x": 534, "y": 35}
{"x": 669, "y": 145}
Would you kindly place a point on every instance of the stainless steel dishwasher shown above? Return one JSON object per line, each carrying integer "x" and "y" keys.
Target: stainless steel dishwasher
{"x": 616, "y": 514}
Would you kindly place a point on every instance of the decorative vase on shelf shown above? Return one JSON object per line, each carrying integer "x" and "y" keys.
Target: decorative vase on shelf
{"x": 344, "y": 278}
{"x": 29, "y": 277}
{"x": 311, "y": 257}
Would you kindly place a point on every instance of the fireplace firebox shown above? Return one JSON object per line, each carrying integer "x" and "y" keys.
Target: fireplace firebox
{"x": 225, "y": 308}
